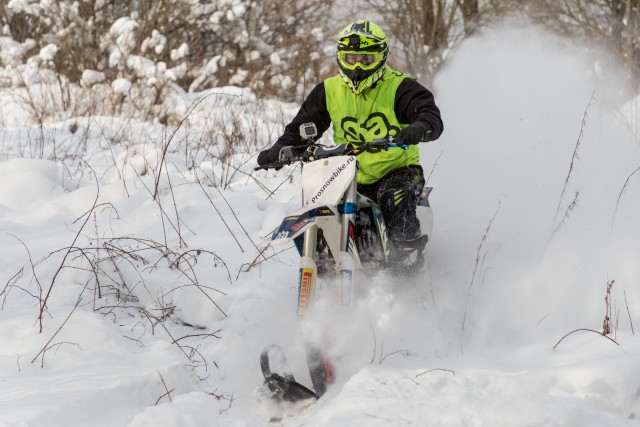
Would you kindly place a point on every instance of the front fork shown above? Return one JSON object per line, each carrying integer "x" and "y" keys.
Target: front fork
{"x": 345, "y": 264}
{"x": 308, "y": 269}
{"x": 320, "y": 368}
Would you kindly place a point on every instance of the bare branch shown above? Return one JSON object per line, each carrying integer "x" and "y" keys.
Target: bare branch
{"x": 574, "y": 157}
{"x": 436, "y": 369}
{"x": 587, "y": 330}
{"x": 475, "y": 268}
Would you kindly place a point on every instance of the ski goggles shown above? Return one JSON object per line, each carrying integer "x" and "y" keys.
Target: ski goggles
{"x": 365, "y": 60}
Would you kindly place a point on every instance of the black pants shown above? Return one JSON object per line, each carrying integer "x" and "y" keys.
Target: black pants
{"x": 397, "y": 194}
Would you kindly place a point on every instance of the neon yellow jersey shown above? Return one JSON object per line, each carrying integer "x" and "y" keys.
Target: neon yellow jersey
{"x": 364, "y": 117}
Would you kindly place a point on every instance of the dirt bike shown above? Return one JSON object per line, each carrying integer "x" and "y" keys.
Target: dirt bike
{"x": 337, "y": 231}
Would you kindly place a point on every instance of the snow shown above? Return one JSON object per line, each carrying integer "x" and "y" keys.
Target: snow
{"x": 12, "y": 50}
{"x": 92, "y": 77}
{"x": 484, "y": 337}
{"x": 48, "y": 52}
{"x": 123, "y": 31}
{"x": 180, "y": 52}
{"x": 275, "y": 58}
{"x": 121, "y": 86}
{"x": 17, "y": 6}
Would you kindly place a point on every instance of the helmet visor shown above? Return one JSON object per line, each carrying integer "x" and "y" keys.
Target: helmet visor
{"x": 365, "y": 60}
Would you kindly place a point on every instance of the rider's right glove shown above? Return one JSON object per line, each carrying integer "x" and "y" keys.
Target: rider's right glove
{"x": 413, "y": 134}
{"x": 270, "y": 155}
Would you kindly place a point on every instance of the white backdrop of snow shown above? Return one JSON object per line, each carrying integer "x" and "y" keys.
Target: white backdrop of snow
{"x": 513, "y": 102}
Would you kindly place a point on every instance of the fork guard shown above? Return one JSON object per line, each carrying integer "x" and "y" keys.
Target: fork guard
{"x": 325, "y": 216}
{"x": 300, "y": 220}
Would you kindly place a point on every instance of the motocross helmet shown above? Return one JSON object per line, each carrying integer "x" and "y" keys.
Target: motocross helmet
{"x": 361, "y": 53}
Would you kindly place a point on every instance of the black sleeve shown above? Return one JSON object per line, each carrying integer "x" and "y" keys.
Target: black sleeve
{"x": 313, "y": 109}
{"x": 415, "y": 103}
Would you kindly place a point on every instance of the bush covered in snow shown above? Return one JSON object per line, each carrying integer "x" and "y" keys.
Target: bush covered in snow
{"x": 130, "y": 54}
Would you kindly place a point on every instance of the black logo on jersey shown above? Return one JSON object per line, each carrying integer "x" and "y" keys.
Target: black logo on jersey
{"x": 375, "y": 126}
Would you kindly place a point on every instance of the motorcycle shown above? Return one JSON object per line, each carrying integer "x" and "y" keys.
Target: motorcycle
{"x": 337, "y": 232}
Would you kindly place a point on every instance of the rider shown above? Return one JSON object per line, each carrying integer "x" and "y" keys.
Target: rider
{"x": 368, "y": 100}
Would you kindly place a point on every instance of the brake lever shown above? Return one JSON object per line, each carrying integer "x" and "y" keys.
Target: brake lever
{"x": 378, "y": 145}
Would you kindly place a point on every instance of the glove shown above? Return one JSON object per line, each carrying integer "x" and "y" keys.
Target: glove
{"x": 270, "y": 155}
{"x": 413, "y": 134}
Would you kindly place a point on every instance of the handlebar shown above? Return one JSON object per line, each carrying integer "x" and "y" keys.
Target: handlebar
{"x": 315, "y": 151}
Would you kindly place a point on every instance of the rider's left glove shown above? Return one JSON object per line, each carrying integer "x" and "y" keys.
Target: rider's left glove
{"x": 270, "y": 155}
{"x": 413, "y": 134}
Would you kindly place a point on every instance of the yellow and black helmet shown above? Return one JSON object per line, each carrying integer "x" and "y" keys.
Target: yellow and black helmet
{"x": 362, "y": 50}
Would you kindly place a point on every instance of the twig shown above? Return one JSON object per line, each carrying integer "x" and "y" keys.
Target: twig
{"x": 244, "y": 268}
{"x": 33, "y": 266}
{"x": 436, "y": 369}
{"x": 136, "y": 340}
{"x": 406, "y": 352}
{"x": 237, "y": 220}
{"x": 628, "y": 312}
{"x": 541, "y": 319}
{"x": 166, "y": 146}
{"x": 606, "y": 323}
{"x": 175, "y": 209}
{"x": 587, "y": 330}
{"x": 94, "y": 208}
{"x": 221, "y": 217}
{"x": 212, "y": 334}
{"x": 194, "y": 281}
{"x": 475, "y": 268}
{"x": 566, "y": 215}
{"x": 222, "y": 397}
{"x": 59, "y": 329}
{"x": 58, "y": 344}
{"x": 433, "y": 168}
{"x": 43, "y": 302}
{"x": 198, "y": 252}
{"x": 11, "y": 283}
{"x": 574, "y": 157}
{"x": 97, "y": 288}
{"x": 375, "y": 342}
{"x": 168, "y": 392}
{"x": 412, "y": 380}
{"x": 191, "y": 284}
{"x": 288, "y": 178}
{"x": 164, "y": 215}
{"x": 624, "y": 187}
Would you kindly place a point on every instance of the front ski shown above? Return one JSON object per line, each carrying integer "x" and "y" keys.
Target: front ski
{"x": 278, "y": 377}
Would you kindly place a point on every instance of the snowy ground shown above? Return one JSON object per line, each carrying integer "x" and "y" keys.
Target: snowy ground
{"x": 172, "y": 334}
